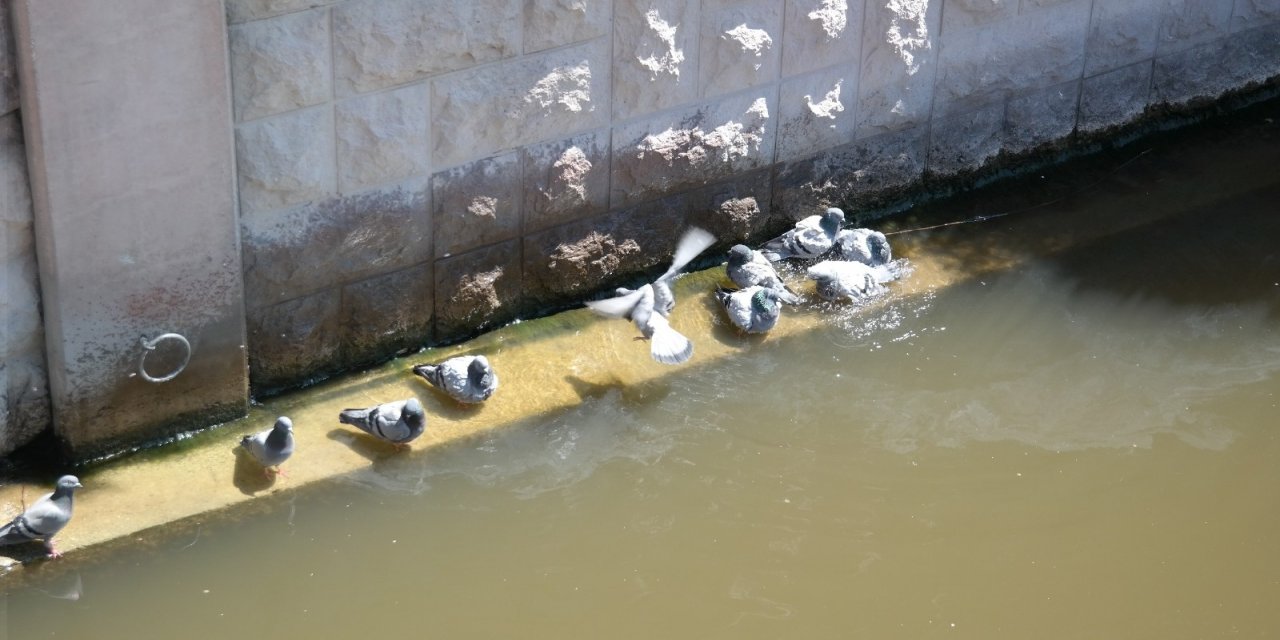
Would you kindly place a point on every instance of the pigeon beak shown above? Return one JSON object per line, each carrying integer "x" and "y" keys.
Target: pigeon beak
{"x": 79, "y": 486}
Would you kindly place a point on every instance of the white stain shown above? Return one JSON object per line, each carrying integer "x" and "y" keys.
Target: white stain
{"x": 666, "y": 57}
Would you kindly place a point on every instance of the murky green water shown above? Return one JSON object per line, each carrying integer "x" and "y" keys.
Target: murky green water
{"x": 1082, "y": 447}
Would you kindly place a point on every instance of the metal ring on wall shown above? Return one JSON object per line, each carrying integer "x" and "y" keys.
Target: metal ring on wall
{"x": 150, "y": 345}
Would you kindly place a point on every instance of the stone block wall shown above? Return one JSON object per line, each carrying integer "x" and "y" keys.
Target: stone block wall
{"x": 414, "y": 171}
{"x": 24, "y": 393}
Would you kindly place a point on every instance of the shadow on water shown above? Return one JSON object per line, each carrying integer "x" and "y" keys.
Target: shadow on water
{"x": 249, "y": 477}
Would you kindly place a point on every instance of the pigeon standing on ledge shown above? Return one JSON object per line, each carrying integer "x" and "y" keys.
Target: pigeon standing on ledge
{"x": 466, "y": 379}
{"x": 810, "y": 239}
{"x": 271, "y": 447}
{"x": 649, "y": 306}
{"x": 395, "y": 422}
{"x": 44, "y": 519}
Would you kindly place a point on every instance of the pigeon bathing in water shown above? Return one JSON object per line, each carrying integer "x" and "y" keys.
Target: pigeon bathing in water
{"x": 810, "y": 239}
{"x": 271, "y": 447}
{"x": 863, "y": 245}
{"x": 747, "y": 268}
{"x": 754, "y": 309}
{"x": 395, "y": 422}
{"x": 649, "y": 306}
{"x": 45, "y": 518}
{"x": 838, "y": 280}
{"x": 467, "y": 379}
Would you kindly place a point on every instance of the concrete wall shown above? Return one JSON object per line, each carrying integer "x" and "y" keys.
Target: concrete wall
{"x": 126, "y": 114}
{"x": 24, "y": 395}
{"x": 415, "y": 170}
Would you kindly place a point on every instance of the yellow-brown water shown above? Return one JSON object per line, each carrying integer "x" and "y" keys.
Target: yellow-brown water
{"x": 1082, "y": 445}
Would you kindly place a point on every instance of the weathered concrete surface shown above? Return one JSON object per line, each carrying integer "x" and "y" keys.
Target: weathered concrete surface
{"x": 8, "y": 66}
{"x": 559, "y": 129}
{"x": 134, "y": 217}
{"x": 24, "y": 393}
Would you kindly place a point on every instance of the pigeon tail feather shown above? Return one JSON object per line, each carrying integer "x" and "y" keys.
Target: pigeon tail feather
{"x": 669, "y": 346}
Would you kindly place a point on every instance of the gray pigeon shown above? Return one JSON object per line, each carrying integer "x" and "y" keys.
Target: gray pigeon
{"x": 754, "y": 309}
{"x": 271, "y": 447}
{"x": 649, "y": 306}
{"x": 395, "y": 422}
{"x": 45, "y": 518}
{"x": 747, "y": 268}
{"x": 810, "y": 239}
{"x": 863, "y": 245}
{"x": 839, "y": 280}
{"x": 467, "y": 379}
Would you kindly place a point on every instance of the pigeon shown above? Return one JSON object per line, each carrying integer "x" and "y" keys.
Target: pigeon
{"x": 271, "y": 447}
{"x": 863, "y": 245}
{"x": 45, "y": 518}
{"x": 395, "y": 422}
{"x": 467, "y": 379}
{"x": 747, "y": 268}
{"x": 854, "y": 281}
{"x": 649, "y": 306}
{"x": 754, "y": 309}
{"x": 810, "y": 239}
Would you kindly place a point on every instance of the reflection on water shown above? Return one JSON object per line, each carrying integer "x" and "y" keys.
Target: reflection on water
{"x": 1082, "y": 445}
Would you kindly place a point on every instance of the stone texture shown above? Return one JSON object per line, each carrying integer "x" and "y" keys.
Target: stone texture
{"x": 820, "y": 33}
{"x": 864, "y": 173}
{"x": 966, "y": 141}
{"x": 387, "y": 314}
{"x": 691, "y": 148}
{"x": 899, "y": 61}
{"x": 1254, "y": 55}
{"x": 477, "y": 290}
{"x": 295, "y": 342}
{"x": 315, "y": 246}
{"x": 734, "y": 211}
{"x": 1189, "y": 23}
{"x": 382, "y": 137}
{"x": 280, "y": 64}
{"x": 1122, "y": 32}
{"x": 565, "y": 180}
{"x": 816, "y": 111}
{"x": 1033, "y": 50}
{"x": 285, "y": 160}
{"x": 969, "y": 13}
{"x": 383, "y": 43}
{"x": 1251, "y": 13}
{"x": 246, "y": 10}
{"x": 654, "y": 55}
{"x": 1202, "y": 72}
{"x": 476, "y": 204}
{"x": 1114, "y": 98}
{"x": 741, "y": 44}
{"x": 554, "y": 23}
{"x": 1041, "y": 116}
{"x": 24, "y": 403}
{"x": 478, "y": 112}
{"x": 8, "y": 63}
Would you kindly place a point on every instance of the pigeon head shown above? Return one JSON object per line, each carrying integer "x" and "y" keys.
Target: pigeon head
{"x": 280, "y": 433}
{"x": 739, "y": 255}
{"x": 832, "y": 220}
{"x": 880, "y": 252}
{"x": 67, "y": 485}
{"x": 479, "y": 372}
{"x": 765, "y": 300}
{"x": 412, "y": 413}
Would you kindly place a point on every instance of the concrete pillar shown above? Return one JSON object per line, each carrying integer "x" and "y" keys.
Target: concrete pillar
{"x": 126, "y": 111}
